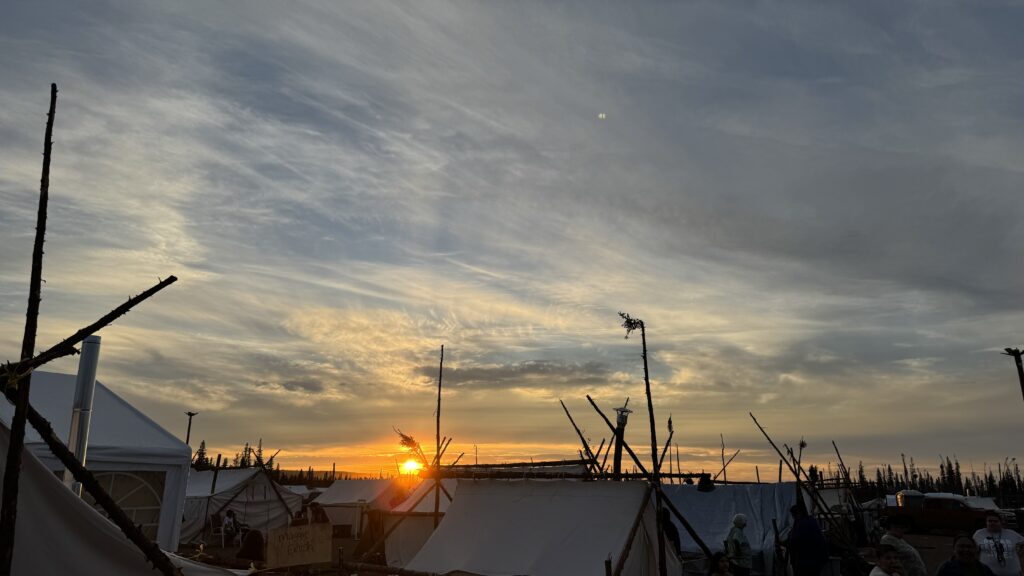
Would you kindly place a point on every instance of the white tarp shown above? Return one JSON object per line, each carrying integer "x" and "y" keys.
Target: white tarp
{"x": 711, "y": 513}
{"x": 58, "y": 533}
{"x": 541, "y": 528}
{"x": 248, "y": 492}
{"x": 121, "y": 439}
{"x": 416, "y": 516}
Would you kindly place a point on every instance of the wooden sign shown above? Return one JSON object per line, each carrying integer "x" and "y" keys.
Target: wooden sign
{"x": 299, "y": 545}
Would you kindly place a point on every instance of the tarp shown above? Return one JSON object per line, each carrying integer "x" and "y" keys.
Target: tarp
{"x": 247, "y": 491}
{"x": 541, "y": 528}
{"x": 121, "y": 439}
{"x": 711, "y": 513}
{"x": 58, "y": 533}
{"x": 415, "y": 521}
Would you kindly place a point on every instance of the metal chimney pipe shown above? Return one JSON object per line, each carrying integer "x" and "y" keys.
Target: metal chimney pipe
{"x": 81, "y": 414}
{"x": 620, "y": 430}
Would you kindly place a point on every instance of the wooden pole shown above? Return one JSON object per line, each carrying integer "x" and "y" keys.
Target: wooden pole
{"x": 725, "y": 475}
{"x": 13, "y": 373}
{"x": 586, "y": 445}
{"x": 12, "y": 470}
{"x": 632, "y": 533}
{"x": 726, "y": 465}
{"x": 437, "y": 457}
{"x": 1016, "y": 354}
{"x": 687, "y": 526}
{"x": 757, "y": 472}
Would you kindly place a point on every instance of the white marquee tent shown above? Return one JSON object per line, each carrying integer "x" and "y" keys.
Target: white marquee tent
{"x": 256, "y": 500}
{"x": 557, "y": 527}
{"x": 711, "y": 513}
{"x": 143, "y": 466}
{"x": 59, "y": 533}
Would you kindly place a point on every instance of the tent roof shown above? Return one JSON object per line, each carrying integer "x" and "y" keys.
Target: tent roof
{"x": 532, "y": 527}
{"x": 117, "y": 426}
{"x": 200, "y": 481}
{"x": 352, "y": 491}
{"x": 427, "y": 503}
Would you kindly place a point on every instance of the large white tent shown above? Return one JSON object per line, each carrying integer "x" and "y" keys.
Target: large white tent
{"x": 58, "y": 533}
{"x": 143, "y": 466}
{"x": 345, "y": 501}
{"x": 415, "y": 521}
{"x": 256, "y": 500}
{"x": 556, "y": 527}
{"x": 711, "y": 513}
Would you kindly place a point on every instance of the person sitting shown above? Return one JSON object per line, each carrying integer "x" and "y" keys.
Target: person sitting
{"x": 230, "y": 527}
{"x": 719, "y": 565}
{"x": 965, "y": 561}
{"x": 738, "y": 547}
{"x": 887, "y": 561}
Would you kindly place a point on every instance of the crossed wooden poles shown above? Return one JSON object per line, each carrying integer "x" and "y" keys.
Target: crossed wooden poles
{"x": 15, "y": 381}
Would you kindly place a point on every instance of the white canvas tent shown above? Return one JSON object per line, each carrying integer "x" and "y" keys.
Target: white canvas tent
{"x": 415, "y": 521}
{"x": 143, "y": 466}
{"x": 58, "y": 533}
{"x": 256, "y": 500}
{"x": 554, "y": 527}
{"x": 711, "y": 513}
{"x": 345, "y": 501}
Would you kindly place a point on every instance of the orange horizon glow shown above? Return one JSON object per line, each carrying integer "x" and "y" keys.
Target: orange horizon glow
{"x": 411, "y": 466}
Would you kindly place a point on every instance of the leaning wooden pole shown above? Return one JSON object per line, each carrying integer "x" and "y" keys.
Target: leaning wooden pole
{"x": 15, "y": 372}
{"x": 437, "y": 437}
{"x": 1016, "y": 354}
{"x": 586, "y": 446}
{"x": 12, "y": 469}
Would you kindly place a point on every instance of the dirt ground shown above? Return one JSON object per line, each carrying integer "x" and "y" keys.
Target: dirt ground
{"x": 934, "y": 549}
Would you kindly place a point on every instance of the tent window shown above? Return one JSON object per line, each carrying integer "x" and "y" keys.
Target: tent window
{"x": 139, "y": 494}
{"x": 341, "y": 531}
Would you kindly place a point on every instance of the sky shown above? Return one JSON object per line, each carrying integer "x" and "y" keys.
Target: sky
{"x": 814, "y": 207}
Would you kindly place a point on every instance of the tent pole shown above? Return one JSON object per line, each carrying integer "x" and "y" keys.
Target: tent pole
{"x": 632, "y": 532}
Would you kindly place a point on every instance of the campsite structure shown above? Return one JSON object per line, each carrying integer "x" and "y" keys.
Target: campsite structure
{"x": 142, "y": 466}
{"x": 256, "y": 500}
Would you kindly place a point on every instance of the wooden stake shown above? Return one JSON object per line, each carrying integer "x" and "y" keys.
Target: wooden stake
{"x": 1016, "y": 354}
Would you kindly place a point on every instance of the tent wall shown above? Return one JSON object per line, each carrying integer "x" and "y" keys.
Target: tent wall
{"x": 711, "y": 515}
{"x": 499, "y": 527}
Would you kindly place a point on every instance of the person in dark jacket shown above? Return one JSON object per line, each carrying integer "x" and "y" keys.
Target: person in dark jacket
{"x": 808, "y": 551}
{"x": 965, "y": 561}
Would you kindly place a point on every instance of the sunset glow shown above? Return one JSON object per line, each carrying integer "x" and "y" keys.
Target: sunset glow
{"x": 411, "y": 467}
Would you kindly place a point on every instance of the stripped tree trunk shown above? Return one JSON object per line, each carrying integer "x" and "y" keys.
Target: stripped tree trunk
{"x": 12, "y": 470}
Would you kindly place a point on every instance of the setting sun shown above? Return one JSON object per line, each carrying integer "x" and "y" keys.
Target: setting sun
{"x": 411, "y": 466}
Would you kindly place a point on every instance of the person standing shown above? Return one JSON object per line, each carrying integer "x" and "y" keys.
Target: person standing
{"x": 808, "y": 551}
{"x": 910, "y": 559}
{"x": 998, "y": 546}
{"x": 965, "y": 560}
{"x": 738, "y": 547}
